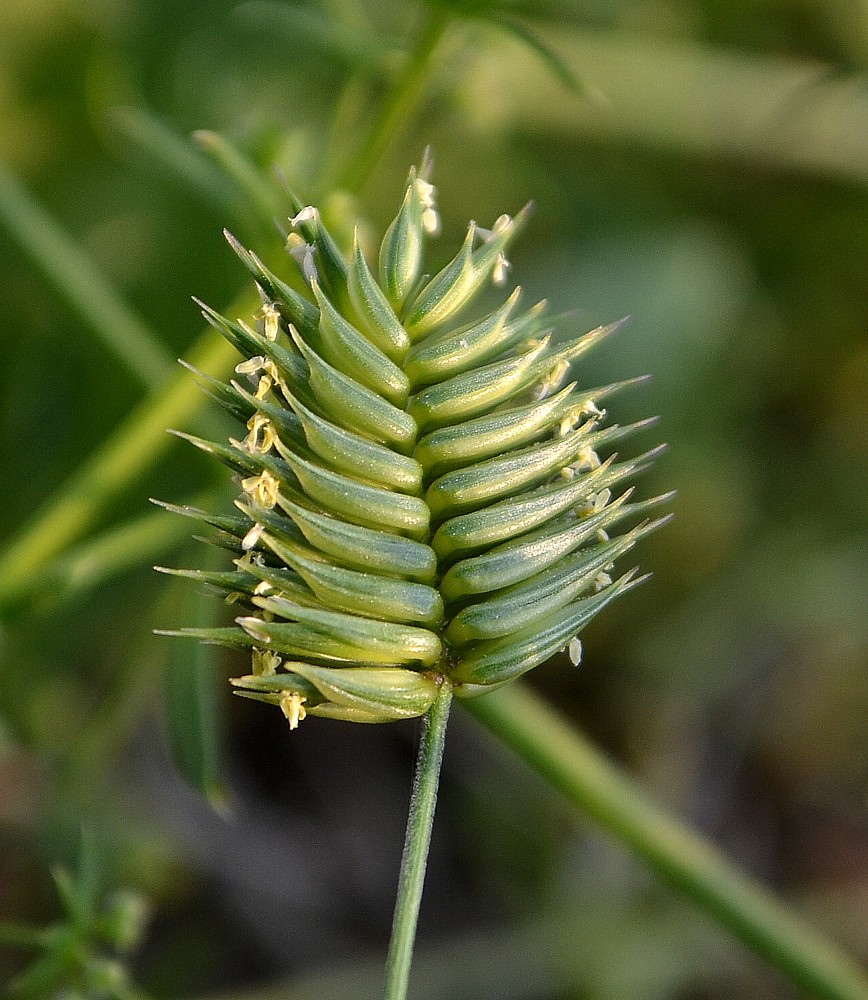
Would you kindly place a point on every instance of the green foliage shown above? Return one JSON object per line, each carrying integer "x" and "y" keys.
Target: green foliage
{"x": 78, "y": 954}
{"x": 709, "y": 180}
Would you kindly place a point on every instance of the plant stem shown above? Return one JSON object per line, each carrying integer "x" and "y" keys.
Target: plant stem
{"x": 416, "y": 843}
{"x": 579, "y": 772}
{"x": 397, "y": 106}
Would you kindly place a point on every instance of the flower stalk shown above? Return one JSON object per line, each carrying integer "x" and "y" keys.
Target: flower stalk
{"x": 416, "y": 843}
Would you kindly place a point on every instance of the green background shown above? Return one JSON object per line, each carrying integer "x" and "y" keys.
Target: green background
{"x": 707, "y": 175}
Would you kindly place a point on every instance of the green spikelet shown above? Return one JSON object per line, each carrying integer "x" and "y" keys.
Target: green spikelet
{"x": 421, "y": 491}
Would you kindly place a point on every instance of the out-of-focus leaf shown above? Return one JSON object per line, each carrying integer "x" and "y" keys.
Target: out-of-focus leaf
{"x": 19, "y": 936}
{"x": 191, "y": 703}
{"x": 70, "y": 272}
{"x": 176, "y": 156}
{"x": 131, "y": 448}
{"x": 313, "y": 32}
{"x": 106, "y": 556}
{"x": 559, "y": 67}
{"x": 692, "y": 99}
{"x": 38, "y": 978}
{"x": 88, "y": 878}
{"x": 266, "y": 199}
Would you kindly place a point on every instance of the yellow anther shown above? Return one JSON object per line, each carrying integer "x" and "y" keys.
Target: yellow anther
{"x": 587, "y": 460}
{"x": 501, "y": 224}
{"x": 249, "y": 560}
{"x": 551, "y": 382}
{"x": 251, "y": 366}
{"x": 425, "y": 193}
{"x": 575, "y": 651}
{"x": 258, "y": 365}
{"x": 592, "y": 410}
{"x": 292, "y": 706}
{"x": 261, "y": 436}
{"x": 263, "y": 488}
{"x": 250, "y": 540}
{"x": 265, "y": 368}
{"x": 293, "y": 241}
{"x": 570, "y": 422}
{"x": 599, "y": 500}
{"x": 307, "y": 214}
{"x": 430, "y": 221}
{"x": 264, "y": 662}
{"x": 270, "y": 320}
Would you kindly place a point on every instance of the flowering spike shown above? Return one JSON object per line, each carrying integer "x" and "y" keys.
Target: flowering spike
{"x": 420, "y": 500}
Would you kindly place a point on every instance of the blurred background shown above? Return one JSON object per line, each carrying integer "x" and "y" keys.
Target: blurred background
{"x": 699, "y": 165}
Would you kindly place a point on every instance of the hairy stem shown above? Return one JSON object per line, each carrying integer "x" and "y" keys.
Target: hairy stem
{"x": 416, "y": 843}
{"x": 397, "y": 108}
{"x": 581, "y": 774}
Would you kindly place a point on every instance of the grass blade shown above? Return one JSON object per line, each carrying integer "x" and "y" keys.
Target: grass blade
{"x": 265, "y": 198}
{"x": 175, "y": 156}
{"x": 71, "y": 273}
{"x": 192, "y": 716}
{"x": 118, "y": 550}
{"x": 558, "y": 66}
{"x": 584, "y": 777}
{"x": 113, "y": 466}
